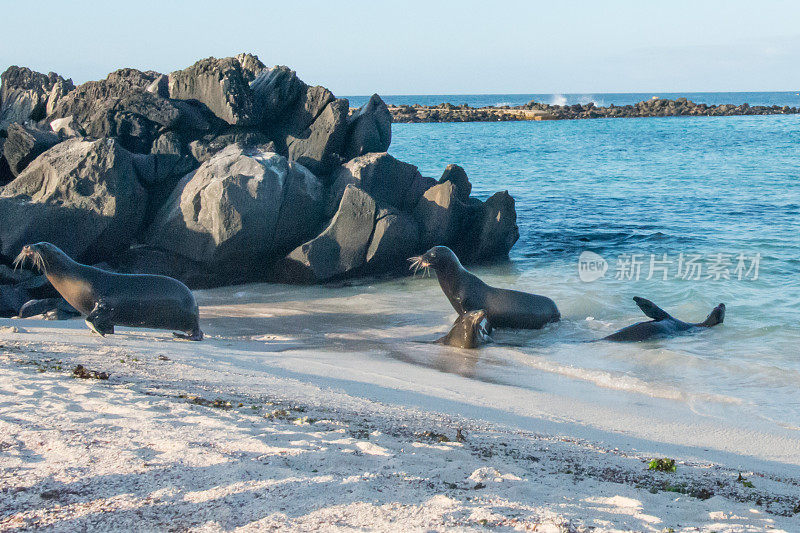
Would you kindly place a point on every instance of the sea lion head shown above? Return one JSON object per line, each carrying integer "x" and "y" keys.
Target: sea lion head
{"x": 469, "y": 331}
{"x": 43, "y": 255}
{"x": 437, "y": 258}
{"x": 476, "y": 320}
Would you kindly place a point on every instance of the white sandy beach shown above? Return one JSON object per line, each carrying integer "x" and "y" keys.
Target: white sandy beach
{"x": 315, "y": 408}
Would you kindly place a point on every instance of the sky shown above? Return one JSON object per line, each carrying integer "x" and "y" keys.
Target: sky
{"x": 416, "y": 47}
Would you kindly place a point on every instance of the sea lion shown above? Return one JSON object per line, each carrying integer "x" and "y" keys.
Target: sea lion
{"x": 663, "y": 324}
{"x": 504, "y": 308}
{"x": 108, "y": 299}
{"x": 469, "y": 331}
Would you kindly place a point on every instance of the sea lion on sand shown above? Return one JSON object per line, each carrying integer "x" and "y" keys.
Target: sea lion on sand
{"x": 504, "y": 308}
{"x": 108, "y": 299}
{"x": 469, "y": 331}
{"x": 663, "y": 324}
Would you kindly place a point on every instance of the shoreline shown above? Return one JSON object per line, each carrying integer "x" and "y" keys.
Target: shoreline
{"x": 655, "y": 107}
{"x": 173, "y": 437}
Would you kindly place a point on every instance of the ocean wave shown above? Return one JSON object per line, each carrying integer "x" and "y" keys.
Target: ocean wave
{"x": 619, "y": 382}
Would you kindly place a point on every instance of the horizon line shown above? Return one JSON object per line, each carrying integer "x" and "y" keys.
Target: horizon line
{"x": 582, "y": 93}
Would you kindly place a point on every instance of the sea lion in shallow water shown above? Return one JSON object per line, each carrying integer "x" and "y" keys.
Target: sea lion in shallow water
{"x": 663, "y": 324}
{"x": 108, "y": 299}
{"x": 470, "y": 330}
{"x": 504, "y": 308}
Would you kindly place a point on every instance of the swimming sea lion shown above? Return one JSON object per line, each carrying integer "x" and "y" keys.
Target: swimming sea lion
{"x": 663, "y": 324}
{"x": 469, "y": 331}
{"x": 108, "y": 299}
{"x": 504, "y": 308}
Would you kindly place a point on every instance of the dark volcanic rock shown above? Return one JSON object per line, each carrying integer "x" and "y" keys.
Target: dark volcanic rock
{"x": 458, "y": 176}
{"x": 655, "y": 107}
{"x": 318, "y": 146}
{"x": 66, "y": 127}
{"x": 220, "y": 84}
{"x": 148, "y": 260}
{"x": 216, "y": 172}
{"x": 251, "y": 66}
{"x": 369, "y": 129}
{"x": 394, "y": 240}
{"x": 207, "y": 146}
{"x": 82, "y": 196}
{"x": 299, "y": 116}
{"x": 340, "y": 249}
{"x": 5, "y": 170}
{"x": 159, "y": 86}
{"x": 238, "y": 212}
{"x": 160, "y": 170}
{"x": 387, "y": 179}
{"x": 11, "y": 300}
{"x": 24, "y": 94}
{"x": 309, "y": 121}
{"x": 120, "y": 106}
{"x": 274, "y": 92}
{"x": 24, "y": 144}
{"x": 497, "y": 229}
{"x": 440, "y": 214}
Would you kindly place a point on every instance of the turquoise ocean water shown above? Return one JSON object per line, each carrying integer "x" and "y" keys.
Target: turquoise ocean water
{"x": 710, "y": 203}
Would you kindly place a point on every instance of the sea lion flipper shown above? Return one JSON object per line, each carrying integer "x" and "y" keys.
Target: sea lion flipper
{"x": 650, "y": 309}
{"x": 192, "y": 336}
{"x": 99, "y": 320}
{"x": 717, "y": 316}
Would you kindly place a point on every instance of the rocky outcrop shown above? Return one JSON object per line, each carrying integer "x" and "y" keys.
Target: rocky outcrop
{"x": 5, "y": 171}
{"x": 221, "y": 84}
{"x": 238, "y": 212}
{"x": 394, "y": 239}
{"x": 655, "y": 107}
{"x": 374, "y": 228}
{"x": 369, "y": 129}
{"x": 24, "y": 144}
{"x": 82, "y": 196}
{"x": 341, "y": 248}
{"x": 274, "y": 92}
{"x": 141, "y": 259}
{"x": 207, "y": 146}
{"x": 309, "y": 121}
{"x": 319, "y": 145}
{"x": 224, "y": 172}
{"x": 387, "y": 179}
{"x": 495, "y": 227}
{"x": 455, "y": 174}
{"x": 66, "y": 127}
{"x": 26, "y": 95}
{"x": 120, "y": 106}
{"x": 251, "y": 66}
{"x": 441, "y": 215}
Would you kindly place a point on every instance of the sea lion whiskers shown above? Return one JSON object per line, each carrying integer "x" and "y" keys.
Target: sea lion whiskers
{"x": 418, "y": 263}
{"x": 19, "y": 261}
{"x": 36, "y": 257}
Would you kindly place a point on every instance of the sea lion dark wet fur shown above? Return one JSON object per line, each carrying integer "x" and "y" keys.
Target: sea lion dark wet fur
{"x": 663, "y": 324}
{"x": 505, "y": 308}
{"x": 108, "y": 299}
{"x": 470, "y": 330}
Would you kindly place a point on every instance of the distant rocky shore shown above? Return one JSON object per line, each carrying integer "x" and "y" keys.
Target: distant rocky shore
{"x": 656, "y": 107}
{"x": 224, "y": 172}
